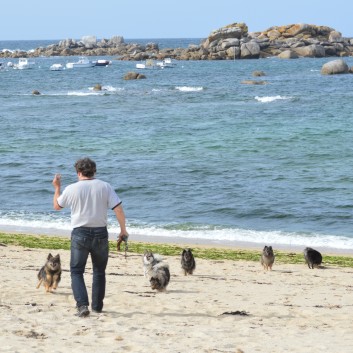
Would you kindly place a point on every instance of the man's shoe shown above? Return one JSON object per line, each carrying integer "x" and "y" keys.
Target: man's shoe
{"x": 82, "y": 311}
{"x": 96, "y": 311}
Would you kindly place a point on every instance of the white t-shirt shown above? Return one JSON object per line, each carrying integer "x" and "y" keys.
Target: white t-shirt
{"x": 89, "y": 201}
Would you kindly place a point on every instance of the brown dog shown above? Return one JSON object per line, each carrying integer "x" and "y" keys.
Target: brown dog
{"x": 50, "y": 273}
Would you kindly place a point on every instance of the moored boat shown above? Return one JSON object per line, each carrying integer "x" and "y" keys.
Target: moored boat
{"x": 24, "y": 64}
{"x": 83, "y": 62}
{"x": 102, "y": 62}
{"x": 56, "y": 67}
{"x": 148, "y": 64}
{"x": 166, "y": 63}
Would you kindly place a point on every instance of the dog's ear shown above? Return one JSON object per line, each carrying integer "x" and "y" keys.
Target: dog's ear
{"x": 57, "y": 257}
{"x": 50, "y": 256}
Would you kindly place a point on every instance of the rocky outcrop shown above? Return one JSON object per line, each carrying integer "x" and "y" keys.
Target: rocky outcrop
{"x": 335, "y": 67}
{"x": 133, "y": 76}
{"x": 227, "y": 43}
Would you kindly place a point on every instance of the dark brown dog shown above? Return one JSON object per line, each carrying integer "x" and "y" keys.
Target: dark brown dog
{"x": 50, "y": 273}
{"x": 188, "y": 263}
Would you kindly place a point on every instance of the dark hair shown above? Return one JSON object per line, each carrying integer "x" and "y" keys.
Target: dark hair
{"x": 86, "y": 166}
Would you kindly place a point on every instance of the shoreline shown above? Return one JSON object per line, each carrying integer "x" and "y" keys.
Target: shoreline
{"x": 186, "y": 242}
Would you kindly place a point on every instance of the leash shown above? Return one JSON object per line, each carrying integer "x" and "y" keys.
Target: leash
{"x": 124, "y": 239}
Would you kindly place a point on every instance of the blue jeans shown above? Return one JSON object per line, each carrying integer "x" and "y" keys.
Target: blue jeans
{"x": 85, "y": 241}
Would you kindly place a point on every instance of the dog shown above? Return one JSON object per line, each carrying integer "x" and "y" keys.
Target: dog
{"x": 50, "y": 273}
{"x": 267, "y": 257}
{"x": 312, "y": 257}
{"x": 188, "y": 263}
{"x": 156, "y": 271}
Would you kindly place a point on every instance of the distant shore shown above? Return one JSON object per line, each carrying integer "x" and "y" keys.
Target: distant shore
{"x": 233, "y": 41}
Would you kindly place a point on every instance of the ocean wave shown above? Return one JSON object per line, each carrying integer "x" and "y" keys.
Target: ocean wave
{"x": 271, "y": 98}
{"x": 188, "y": 89}
{"x": 107, "y": 89}
{"x": 49, "y": 224}
{"x": 83, "y": 94}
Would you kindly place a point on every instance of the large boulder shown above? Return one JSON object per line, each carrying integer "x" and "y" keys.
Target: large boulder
{"x": 235, "y": 30}
{"x": 250, "y": 50}
{"x": 335, "y": 37}
{"x": 334, "y": 67}
{"x": 115, "y": 41}
{"x": 288, "y": 54}
{"x": 134, "y": 76}
{"x": 229, "y": 42}
{"x": 311, "y": 51}
{"x": 89, "y": 41}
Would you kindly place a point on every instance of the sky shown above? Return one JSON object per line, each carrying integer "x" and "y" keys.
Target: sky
{"x": 135, "y": 19}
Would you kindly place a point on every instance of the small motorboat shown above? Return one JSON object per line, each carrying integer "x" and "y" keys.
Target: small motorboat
{"x": 166, "y": 63}
{"x": 83, "y": 62}
{"x": 24, "y": 64}
{"x": 56, "y": 67}
{"x": 102, "y": 62}
{"x": 148, "y": 65}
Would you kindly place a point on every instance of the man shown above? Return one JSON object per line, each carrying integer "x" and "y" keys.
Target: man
{"x": 89, "y": 200}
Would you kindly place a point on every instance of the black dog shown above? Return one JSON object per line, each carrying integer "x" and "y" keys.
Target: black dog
{"x": 312, "y": 257}
{"x": 188, "y": 262}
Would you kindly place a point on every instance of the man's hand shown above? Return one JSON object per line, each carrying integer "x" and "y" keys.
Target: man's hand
{"x": 57, "y": 181}
{"x": 122, "y": 237}
{"x": 57, "y": 185}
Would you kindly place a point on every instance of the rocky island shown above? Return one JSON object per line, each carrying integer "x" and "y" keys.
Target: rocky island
{"x": 231, "y": 42}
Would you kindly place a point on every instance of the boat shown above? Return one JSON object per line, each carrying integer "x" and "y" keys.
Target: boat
{"x": 166, "y": 63}
{"x": 149, "y": 64}
{"x": 24, "y": 64}
{"x": 81, "y": 63}
{"x": 102, "y": 62}
{"x": 56, "y": 67}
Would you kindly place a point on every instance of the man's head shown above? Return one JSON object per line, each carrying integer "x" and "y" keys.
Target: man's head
{"x": 86, "y": 167}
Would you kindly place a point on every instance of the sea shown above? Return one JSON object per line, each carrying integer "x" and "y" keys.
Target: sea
{"x": 195, "y": 154}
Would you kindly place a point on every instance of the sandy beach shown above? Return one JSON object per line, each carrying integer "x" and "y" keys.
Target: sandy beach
{"x": 225, "y": 306}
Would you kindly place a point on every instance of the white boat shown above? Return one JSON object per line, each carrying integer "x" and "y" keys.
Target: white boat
{"x": 56, "y": 67}
{"x": 24, "y": 64}
{"x": 81, "y": 63}
{"x": 148, "y": 65}
{"x": 166, "y": 63}
{"x": 102, "y": 62}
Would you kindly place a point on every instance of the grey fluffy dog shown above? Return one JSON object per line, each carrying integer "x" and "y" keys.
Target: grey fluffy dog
{"x": 156, "y": 271}
{"x": 267, "y": 257}
{"x": 312, "y": 257}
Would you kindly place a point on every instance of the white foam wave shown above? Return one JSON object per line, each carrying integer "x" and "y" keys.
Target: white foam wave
{"x": 107, "y": 89}
{"x": 271, "y": 98}
{"x": 7, "y": 51}
{"x": 61, "y": 225}
{"x": 188, "y": 89}
{"x": 83, "y": 94}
